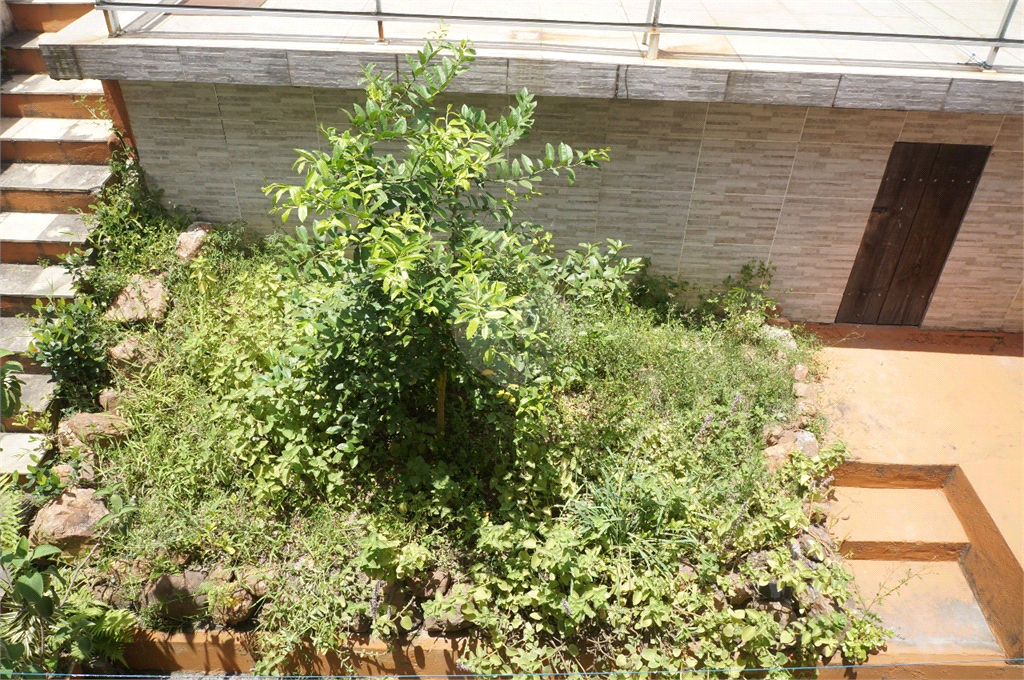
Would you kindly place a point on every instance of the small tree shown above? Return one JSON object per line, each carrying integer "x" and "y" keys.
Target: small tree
{"x": 421, "y": 297}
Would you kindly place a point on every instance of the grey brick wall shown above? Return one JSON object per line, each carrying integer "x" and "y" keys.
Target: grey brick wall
{"x": 700, "y": 188}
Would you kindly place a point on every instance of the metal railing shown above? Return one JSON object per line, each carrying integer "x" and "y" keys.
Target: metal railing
{"x": 652, "y": 28}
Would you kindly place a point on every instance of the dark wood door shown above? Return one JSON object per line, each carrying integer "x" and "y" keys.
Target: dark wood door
{"x": 920, "y": 204}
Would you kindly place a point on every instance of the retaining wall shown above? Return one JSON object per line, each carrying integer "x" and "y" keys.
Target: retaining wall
{"x": 700, "y": 188}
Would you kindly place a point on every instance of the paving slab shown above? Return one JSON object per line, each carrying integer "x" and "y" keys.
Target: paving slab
{"x": 37, "y": 392}
{"x": 18, "y": 450}
{"x": 15, "y": 334}
{"x": 43, "y": 227}
{"x": 53, "y": 177}
{"x": 54, "y": 130}
{"x": 42, "y": 84}
{"x": 33, "y": 281}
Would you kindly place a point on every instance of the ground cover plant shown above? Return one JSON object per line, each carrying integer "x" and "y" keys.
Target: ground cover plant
{"x": 413, "y": 416}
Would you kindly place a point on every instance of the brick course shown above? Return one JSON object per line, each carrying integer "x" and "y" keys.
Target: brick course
{"x": 698, "y": 187}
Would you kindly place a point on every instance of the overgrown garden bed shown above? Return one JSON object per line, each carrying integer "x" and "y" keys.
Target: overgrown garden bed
{"x": 414, "y": 417}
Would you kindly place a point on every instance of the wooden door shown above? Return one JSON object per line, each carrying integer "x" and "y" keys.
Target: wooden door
{"x": 920, "y": 204}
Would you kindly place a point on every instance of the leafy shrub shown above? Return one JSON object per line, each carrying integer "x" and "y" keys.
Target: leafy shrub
{"x": 43, "y": 630}
{"x": 10, "y": 385}
{"x": 70, "y": 339}
{"x": 417, "y": 304}
{"x": 415, "y": 381}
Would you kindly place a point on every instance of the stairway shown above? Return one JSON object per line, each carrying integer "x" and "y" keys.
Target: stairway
{"x": 920, "y": 540}
{"x": 53, "y": 159}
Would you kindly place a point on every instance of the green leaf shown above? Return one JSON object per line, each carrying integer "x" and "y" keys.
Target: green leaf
{"x": 44, "y": 551}
{"x": 30, "y": 587}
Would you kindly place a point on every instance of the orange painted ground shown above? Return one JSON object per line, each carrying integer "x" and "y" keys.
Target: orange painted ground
{"x": 918, "y": 397}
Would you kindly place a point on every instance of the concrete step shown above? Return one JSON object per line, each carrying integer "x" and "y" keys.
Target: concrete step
{"x": 15, "y": 336}
{"x": 36, "y": 396}
{"x": 18, "y": 450}
{"x": 27, "y": 237}
{"x": 22, "y": 53}
{"x": 54, "y": 140}
{"x": 22, "y": 284}
{"x": 897, "y": 524}
{"x": 50, "y": 187}
{"x": 930, "y": 609}
{"x": 49, "y": 16}
{"x": 38, "y": 95}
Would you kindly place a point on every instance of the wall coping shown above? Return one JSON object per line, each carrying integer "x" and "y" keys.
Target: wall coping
{"x": 84, "y": 50}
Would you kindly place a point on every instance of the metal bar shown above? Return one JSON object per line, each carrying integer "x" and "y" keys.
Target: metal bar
{"x": 652, "y": 36}
{"x": 1010, "y": 7}
{"x": 380, "y": 25}
{"x": 113, "y": 25}
{"x": 633, "y": 27}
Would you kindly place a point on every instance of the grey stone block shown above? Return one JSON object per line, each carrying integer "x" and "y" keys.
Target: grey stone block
{"x": 795, "y": 89}
{"x": 676, "y": 84}
{"x": 131, "y": 62}
{"x": 562, "y": 78}
{"x": 226, "y": 65}
{"x": 61, "y": 61}
{"x": 315, "y": 68}
{"x": 985, "y": 96}
{"x": 486, "y": 75}
{"x": 898, "y": 93}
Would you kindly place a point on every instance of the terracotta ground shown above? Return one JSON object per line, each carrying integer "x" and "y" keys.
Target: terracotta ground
{"x": 912, "y": 400}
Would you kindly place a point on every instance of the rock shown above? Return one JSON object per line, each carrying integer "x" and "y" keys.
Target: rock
{"x": 772, "y": 433}
{"x": 361, "y": 625}
{"x": 415, "y": 615}
{"x": 143, "y": 299}
{"x": 774, "y": 593}
{"x": 128, "y": 355}
{"x": 801, "y": 390}
{"x": 453, "y": 622}
{"x": 256, "y": 581}
{"x": 177, "y": 597}
{"x": 799, "y": 373}
{"x": 448, "y": 618}
{"x": 780, "y": 335}
{"x": 739, "y": 592}
{"x": 807, "y": 443}
{"x": 235, "y": 606}
{"x": 85, "y": 430}
{"x": 776, "y": 456}
{"x": 758, "y": 560}
{"x": 67, "y": 475}
{"x": 810, "y": 548}
{"x": 810, "y": 601}
{"x": 779, "y": 321}
{"x": 108, "y": 400}
{"x": 229, "y": 599}
{"x": 68, "y": 522}
{"x": 191, "y": 241}
{"x": 781, "y": 613}
{"x": 110, "y": 595}
{"x": 426, "y": 586}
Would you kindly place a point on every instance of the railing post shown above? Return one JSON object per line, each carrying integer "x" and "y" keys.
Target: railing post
{"x": 380, "y": 26}
{"x": 113, "y": 24}
{"x": 652, "y": 36}
{"x": 1010, "y": 7}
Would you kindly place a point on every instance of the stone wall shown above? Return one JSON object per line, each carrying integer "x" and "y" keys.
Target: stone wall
{"x": 700, "y": 188}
